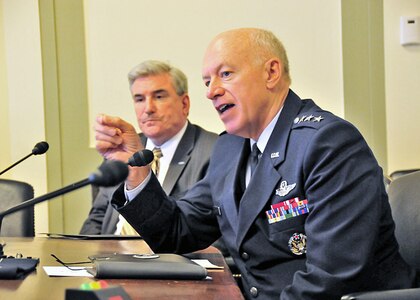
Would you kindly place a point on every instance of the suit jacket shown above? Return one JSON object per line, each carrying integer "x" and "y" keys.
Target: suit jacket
{"x": 189, "y": 164}
{"x": 341, "y": 241}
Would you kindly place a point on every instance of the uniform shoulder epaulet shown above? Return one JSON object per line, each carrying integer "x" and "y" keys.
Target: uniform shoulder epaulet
{"x": 314, "y": 120}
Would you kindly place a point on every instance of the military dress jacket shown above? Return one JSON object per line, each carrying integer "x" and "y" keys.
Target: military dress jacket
{"x": 313, "y": 223}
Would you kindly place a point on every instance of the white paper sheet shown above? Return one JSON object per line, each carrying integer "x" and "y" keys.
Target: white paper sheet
{"x": 206, "y": 264}
{"x": 58, "y": 271}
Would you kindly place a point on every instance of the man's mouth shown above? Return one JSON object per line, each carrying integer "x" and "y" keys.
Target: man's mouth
{"x": 221, "y": 109}
{"x": 149, "y": 120}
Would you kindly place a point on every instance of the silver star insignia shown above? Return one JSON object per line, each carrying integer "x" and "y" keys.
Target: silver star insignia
{"x": 307, "y": 119}
{"x": 302, "y": 119}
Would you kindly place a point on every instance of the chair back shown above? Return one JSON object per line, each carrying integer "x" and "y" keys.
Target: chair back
{"x": 20, "y": 223}
{"x": 404, "y": 198}
{"x": 397, "y": 174}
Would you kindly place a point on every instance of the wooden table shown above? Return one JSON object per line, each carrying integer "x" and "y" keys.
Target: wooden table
{"x": 38, "y": 285}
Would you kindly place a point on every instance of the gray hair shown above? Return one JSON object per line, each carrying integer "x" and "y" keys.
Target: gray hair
{"x": 155, "y": 67}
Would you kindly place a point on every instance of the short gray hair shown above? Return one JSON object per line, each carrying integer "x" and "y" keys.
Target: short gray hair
{"x": 156, "y": 67}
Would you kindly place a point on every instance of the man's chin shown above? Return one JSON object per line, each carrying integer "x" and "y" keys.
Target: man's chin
{"x": 232, "y": 130}
{"x": 150, "y": 132}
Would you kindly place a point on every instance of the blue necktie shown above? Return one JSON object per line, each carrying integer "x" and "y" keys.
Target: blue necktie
{"x": 254, "y": 157}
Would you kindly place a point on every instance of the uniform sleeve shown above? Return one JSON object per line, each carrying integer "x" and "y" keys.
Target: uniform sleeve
{"x": 167, "y": 224}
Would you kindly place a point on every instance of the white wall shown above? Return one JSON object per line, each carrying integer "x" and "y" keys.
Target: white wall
{"x": 122, "y": 33}
{"x": 21, "y": 77}
{"x": 402, "y": 81}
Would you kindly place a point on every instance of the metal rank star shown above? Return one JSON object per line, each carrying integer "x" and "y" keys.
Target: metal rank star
{"x": 310, "y": 118}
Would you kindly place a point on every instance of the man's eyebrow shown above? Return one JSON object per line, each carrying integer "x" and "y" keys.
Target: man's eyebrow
{"x": 153, "y": 92}
{"x": 160, "y": 91}
{"x": 215, "y": 70}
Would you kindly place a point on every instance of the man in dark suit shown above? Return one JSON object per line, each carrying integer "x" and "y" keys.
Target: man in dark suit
{"x": 161, "y": 102}
{"x": 304, "y": 214}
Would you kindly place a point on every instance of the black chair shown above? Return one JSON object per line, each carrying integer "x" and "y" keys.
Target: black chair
{"x": 21, "y": 223}
{"x": 404, "y": 198}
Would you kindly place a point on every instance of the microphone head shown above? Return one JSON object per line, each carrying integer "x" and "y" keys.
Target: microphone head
{"x": 40, "y": 148}
{"x": 141, "y": 158}
{"x": 110, "y": 173}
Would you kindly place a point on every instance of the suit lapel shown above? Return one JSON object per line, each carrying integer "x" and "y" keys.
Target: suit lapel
{"x": 267, "y": 176}
{"x": 181, "y": 157}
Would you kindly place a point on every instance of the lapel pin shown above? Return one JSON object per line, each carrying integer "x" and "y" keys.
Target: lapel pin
{"x": 275, "y": 154}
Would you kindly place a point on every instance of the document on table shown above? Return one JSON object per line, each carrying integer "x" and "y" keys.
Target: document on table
{"x": 206, "y": 264}
{"x": 59, "y": 271}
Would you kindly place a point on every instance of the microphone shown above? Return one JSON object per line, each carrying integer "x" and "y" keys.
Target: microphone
{"x": 141, "y": 158}
{"x": 110, "y": 173}
{"x": 40, "y": 148}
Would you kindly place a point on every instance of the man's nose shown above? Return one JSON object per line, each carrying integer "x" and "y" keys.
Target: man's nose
{"x": 150, "y": 106}
{"x": 214, "y": 90}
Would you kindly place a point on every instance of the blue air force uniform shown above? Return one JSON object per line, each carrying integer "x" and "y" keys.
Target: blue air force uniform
{"x": 313, "y": 223}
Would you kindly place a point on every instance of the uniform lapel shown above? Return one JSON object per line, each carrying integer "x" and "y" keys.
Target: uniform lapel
{"x": 267, "y": 176}
{"x": 179, "y": 161}
{"x": 234, "y": 195}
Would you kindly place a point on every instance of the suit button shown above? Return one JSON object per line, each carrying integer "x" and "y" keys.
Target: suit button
{"x": 253, "y": 291}
{"x": 245, "y": 256}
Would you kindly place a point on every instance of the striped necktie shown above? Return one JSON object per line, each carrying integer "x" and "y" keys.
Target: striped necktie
{"x": 156, "y": 164}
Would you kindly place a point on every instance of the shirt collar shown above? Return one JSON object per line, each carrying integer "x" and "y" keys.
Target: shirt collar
{"x": 265, "y": 135}
{"x": 171, "y": 144}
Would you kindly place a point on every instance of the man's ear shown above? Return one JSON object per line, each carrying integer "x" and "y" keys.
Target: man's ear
{"x": 186, "y": 104}
{"x": 274, "y": 71}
